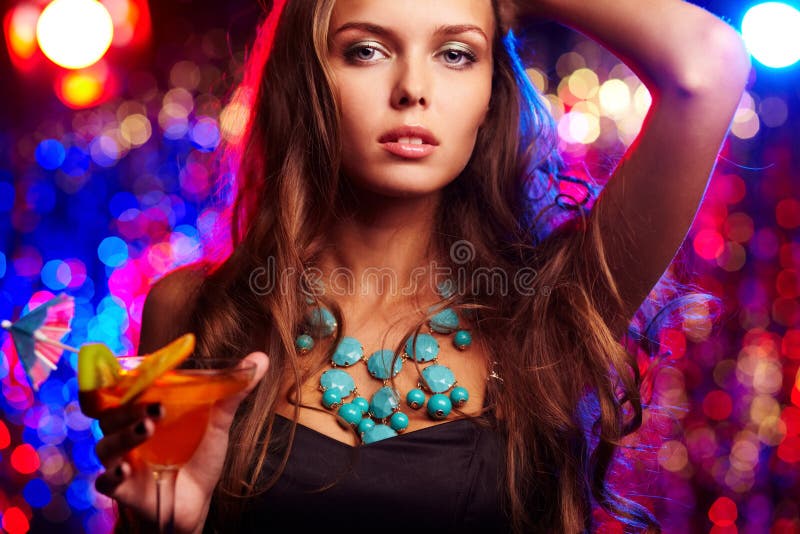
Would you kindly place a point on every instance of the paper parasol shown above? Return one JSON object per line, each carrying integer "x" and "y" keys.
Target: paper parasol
{"x": 37, "y": 337}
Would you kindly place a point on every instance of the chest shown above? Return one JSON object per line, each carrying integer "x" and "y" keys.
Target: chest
{"x": 469, "y": 367}
{"x": 447, "y": 478}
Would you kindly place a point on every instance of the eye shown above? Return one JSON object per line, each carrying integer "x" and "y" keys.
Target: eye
{"x": 459, "y": 57}
{"x": 361, "y": 53}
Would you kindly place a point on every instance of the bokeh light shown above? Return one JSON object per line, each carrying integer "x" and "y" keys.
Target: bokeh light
{"x": 770, "y": 32}
{"x": 21, "y": 31}
{"x": 74, "y": 33}
{"x": 80, "y": 89}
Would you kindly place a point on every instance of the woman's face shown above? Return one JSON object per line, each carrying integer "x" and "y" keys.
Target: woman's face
{"x": 410, "y": 64}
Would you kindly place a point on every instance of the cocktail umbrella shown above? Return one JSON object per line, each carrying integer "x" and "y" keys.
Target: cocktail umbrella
{"x": 37, "y": 336}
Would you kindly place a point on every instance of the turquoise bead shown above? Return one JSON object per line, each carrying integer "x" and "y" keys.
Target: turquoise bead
{"x": 459, "y": 396}
{"x": 321, "y": 320}
{"x": 304, "y": 343}
{"x": 446, "y": 288}
{"x": 415, "y": 398}
{"x": 362, "y": 403}
{"x": 348, "y": 352}
{"x": 350, "y": 413}
{"x": 365, "y": 425}
{"x": 399, "y": 421}
{"x": 438, "y": 378}
{"x": 462, "y": 339}
{"x": 439, "y": 406}
{"x": 384, "y": 402}
{"x": 427, "y": 348}
{"x": 331, "y": 398}
{"x": 337, "y": 380}
{"x": 444, "y": 322}
{"x": 377, "y": 433}
{"x": 380, "y": 362}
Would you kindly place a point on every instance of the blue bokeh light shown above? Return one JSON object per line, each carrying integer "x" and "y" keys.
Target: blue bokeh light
{"x": 50, "y": 154}
{"x": 79, "y": 494}
{"x": 51, "y": 392}
{"x": 6, "y": 196}
{"x": 771, "y": 32}
{"x": 84, "y": 457}
{"x": 2, "y": 265}
{"x": 3, "y": 366}
{"x": 37, "y": 493}
{"x": 113, "y": 251}
{"x": 55, "y": 275}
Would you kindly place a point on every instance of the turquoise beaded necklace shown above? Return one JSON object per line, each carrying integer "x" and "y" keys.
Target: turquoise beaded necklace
{"x": 381, "y": 416}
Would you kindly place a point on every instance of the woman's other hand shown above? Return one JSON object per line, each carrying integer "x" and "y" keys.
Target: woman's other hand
{"x": 131, "y": 483}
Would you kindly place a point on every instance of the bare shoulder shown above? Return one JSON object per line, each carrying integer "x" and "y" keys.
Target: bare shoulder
{"x": 168, "y": 306}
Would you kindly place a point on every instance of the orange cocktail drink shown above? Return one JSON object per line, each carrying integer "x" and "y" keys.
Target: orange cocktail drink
{"x": 186, "y": 395}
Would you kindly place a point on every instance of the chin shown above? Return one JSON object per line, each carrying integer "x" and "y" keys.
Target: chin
{"x": 402, "y": 186}
{"x": 411, "y": 188}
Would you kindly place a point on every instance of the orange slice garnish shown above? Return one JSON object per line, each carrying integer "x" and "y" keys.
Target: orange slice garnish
{"x": 156, "y": 364}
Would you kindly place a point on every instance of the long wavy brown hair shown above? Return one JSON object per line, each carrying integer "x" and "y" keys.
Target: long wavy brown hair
{"x": 555, "y": 346}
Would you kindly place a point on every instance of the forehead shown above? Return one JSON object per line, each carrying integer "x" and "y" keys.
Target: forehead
{"x": 419, "y": 15}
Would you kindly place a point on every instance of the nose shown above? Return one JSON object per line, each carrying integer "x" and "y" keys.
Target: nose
{"x": 412, "y": 86}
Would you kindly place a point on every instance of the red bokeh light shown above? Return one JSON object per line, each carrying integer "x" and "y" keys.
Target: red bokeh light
{"x": 789, "y": 449}
{"x": 788, "y": 283}
{"x": 718, "y": 405}
{"x": 723, "y": 512}
{"x": 791, "y": 418}
{"x": 24, "y": 459}
{"x": 787, "y": 213}
{"x": 5, "y": 438}
{"x": 14, "y": 521}
{"x": 708, "y": 244}
{"x": 790, "y": 346}
{"x": 790, "y": 255}
{"x": 729, "y": 188}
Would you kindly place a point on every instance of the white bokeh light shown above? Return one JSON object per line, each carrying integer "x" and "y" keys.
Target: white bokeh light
{"x": 771, "y": 32}
{"x": 74, "y": 34}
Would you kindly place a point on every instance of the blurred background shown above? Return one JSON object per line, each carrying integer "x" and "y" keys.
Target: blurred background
{"x": 110, "y": 113}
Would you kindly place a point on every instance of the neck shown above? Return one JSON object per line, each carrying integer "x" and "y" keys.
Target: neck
{"x": 381, "y": 254}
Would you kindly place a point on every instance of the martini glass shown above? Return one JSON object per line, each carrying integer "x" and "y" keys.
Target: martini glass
{"x": 187, "y": 395}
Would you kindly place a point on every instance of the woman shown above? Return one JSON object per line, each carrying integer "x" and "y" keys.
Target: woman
{"x": 386, "y": 135}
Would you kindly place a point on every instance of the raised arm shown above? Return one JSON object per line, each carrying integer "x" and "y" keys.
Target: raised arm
{"x": 696, "y": 68}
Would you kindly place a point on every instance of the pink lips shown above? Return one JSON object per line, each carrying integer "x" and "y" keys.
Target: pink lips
{"x": 390, "y": 141}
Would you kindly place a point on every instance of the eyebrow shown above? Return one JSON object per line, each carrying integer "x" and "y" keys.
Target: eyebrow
{"x": 447, "y": 29}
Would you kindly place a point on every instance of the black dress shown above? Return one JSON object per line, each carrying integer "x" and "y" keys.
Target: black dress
{"x": 444, "y": 478}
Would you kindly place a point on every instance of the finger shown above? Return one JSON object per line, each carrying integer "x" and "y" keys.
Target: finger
{"x": 109, "y": 480}
{"x": 223, "y": 415}
{"x": 122, "y": 416}
{"x": 261, "y": 362}
{"x": 115, "y": 445}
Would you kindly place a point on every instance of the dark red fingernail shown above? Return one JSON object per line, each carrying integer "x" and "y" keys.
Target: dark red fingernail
{"x": 154, "y": 410}
{"x": 141, "y": 429}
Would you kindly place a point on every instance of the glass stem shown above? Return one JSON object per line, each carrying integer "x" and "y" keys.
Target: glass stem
{"x": 165, "y": 499}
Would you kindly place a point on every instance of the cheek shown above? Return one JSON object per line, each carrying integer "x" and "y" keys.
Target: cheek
{"x": 467, "y": 107}
{"x": 357, "y": 105}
